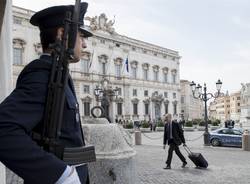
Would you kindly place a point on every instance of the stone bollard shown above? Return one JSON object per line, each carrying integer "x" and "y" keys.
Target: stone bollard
{"x": 115, "y": 156}
{"x": 246, "y": 141}
{"x": 137, "y": 137}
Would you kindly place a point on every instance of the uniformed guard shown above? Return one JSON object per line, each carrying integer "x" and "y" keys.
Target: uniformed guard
{"x": 22, "y": 112}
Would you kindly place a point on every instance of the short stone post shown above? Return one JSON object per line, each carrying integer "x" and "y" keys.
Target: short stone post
{"x": 137, "y": 137}
{"x": 246, "y": 141}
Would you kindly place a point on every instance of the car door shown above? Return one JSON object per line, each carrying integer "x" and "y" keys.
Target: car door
{"x": 237, "y": 138}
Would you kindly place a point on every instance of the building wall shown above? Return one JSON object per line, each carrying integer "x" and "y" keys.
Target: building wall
{"x": 245, "y": 105}
{"x": 107, "y": 46}
{"x": 191, "y": 108}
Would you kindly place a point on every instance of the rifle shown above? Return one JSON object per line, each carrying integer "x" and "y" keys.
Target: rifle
{"x": 62, "y": 54}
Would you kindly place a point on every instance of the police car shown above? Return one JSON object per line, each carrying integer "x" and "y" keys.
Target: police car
{"x": 226, "y": 137}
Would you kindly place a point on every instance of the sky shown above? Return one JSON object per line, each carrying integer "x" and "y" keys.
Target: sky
{"x": 211, "y": 36}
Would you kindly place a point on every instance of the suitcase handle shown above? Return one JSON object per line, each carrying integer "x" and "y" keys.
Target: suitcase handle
{"x": 187, "y": 149}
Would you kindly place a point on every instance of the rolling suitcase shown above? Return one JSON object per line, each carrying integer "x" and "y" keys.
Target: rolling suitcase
{"x": 196, "y": 158}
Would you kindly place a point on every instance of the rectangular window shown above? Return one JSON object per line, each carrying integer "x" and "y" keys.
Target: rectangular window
{"x": 86, "y": 89}
{"x": 135, "y": 110}
{"x": 146, "y": 93}
{"x": 182, "y": 99}
{"x": 134, "y": 92}
{"x": 146, "y": 109}
{"x": 175, "y": 109}
{"x": 238, "y": 104}
{"x": 145, "y": 74}
{"x": 86, "y": 108}
{"x": 156, "y": 75}
{"x": 166, "y": 108}
{"x": 119, "y": 108}
{"x": 165, "y": 77}
{"x": 174, "y": 78}
{"x": 119, "y": 91}
{"x": 103, "y": 68}
{"x": 85, "y": 65}
{"x": 118, "y": 70}
{"x": 174, "y": 95}
{"x": 238, "y": 98}
{"x": 165, "y": 94}
{"x": 134, "y": 73}
{"x": 17, "y": 56}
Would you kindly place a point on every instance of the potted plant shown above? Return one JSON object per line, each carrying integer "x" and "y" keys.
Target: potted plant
{"x": 145, "y": 126}
{"x": 189, "y": 126}
{"x": 129, "y": 127}
{"x": 160, "y": 126}
{"x": 201, "y": 126}
{"x": 215, "y": 124}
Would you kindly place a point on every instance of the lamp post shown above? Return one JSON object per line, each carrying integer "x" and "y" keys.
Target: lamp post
{"x": 105, "y": 94}
{"x": 204, "y": 96}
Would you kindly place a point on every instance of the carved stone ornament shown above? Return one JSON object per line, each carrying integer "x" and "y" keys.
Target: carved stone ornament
{"x": 145, "y": 66}
{"x": 165, "y": 70}
{"x": 156, "y": 68}
{"x": 87, "y": 99}
{"x": 135, "y": 100}
{"x": 146, "y": 101}
{"x": 101, "y": 23}
{"x": 103, "y": 58}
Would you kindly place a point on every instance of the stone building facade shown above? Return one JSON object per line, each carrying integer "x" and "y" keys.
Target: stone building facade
{"x": 245, "y": 105}
{"x": 145, "y": 75}
{"x": 191, "y": 108}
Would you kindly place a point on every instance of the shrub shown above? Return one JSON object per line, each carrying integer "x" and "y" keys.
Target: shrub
{"x": 145, "y": 124}
{"x": 160, "y": 123}
{"x": 216, "y": 122}
{"x": 196, "y": 121}
{"x": 189, "y": 124}
{"x": 202, "y": 123}
{"x": 128, "y": 126}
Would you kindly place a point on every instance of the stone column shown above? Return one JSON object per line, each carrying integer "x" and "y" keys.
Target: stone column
{"x": 5, "y": 59}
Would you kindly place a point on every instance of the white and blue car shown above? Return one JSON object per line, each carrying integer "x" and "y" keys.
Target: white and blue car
{"x": 226, "y": 137}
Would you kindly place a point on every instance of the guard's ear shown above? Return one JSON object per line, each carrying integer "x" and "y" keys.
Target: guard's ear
{"x": 59, "y": 33}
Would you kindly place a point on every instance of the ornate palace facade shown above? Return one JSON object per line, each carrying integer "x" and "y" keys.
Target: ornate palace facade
{"x": 145, "y": 75}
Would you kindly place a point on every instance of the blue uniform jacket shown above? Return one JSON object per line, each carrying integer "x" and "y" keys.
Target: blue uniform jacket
{"x": 21, "y": 112}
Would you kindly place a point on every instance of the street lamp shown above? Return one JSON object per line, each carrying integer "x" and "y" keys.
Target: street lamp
{"x": 105, "y": 94}
{"x": 197, "y": 94}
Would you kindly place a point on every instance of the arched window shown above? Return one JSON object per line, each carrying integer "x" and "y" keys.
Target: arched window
{"x": 103, "y": 60}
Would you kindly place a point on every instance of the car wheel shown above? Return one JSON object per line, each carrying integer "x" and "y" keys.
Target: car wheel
{"x": 215, "y": 142}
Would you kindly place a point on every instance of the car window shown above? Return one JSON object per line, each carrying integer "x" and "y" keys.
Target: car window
{"x": 236, "y": 132}
{"x": 226, "y": 131}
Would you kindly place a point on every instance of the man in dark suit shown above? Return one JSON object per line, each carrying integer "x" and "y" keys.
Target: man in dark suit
{"x": 22, "y": 112}
{"x": 173, "y": 135}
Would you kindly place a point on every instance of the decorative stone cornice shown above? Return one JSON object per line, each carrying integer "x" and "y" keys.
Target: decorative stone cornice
{"x": 175, "y": 102}
{"x": 103, "y": 58}
{"x": 146, "y": 101}
{"x": 145, "y": 66}
{"x": 174, "y": 71}
{"x": 87, "y": 99}
{"x": 135, "y": 100}
{"x": 165, "y": 70}
{"x": 118, "y": 61}
{"x": 156, "y": 68}
{"x": 119, "y": 100}
{"x": 134, "y": 64}
{"x": 166, "y": 102}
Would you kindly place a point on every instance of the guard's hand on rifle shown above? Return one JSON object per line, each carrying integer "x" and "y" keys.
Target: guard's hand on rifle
{"x": 164, "y": 146}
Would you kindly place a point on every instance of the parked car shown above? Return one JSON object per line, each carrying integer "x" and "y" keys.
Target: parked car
{"x": 226, "y": 137}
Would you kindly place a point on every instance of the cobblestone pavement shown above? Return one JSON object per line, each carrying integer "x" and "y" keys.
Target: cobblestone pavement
{"x": 226, "y": 165}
